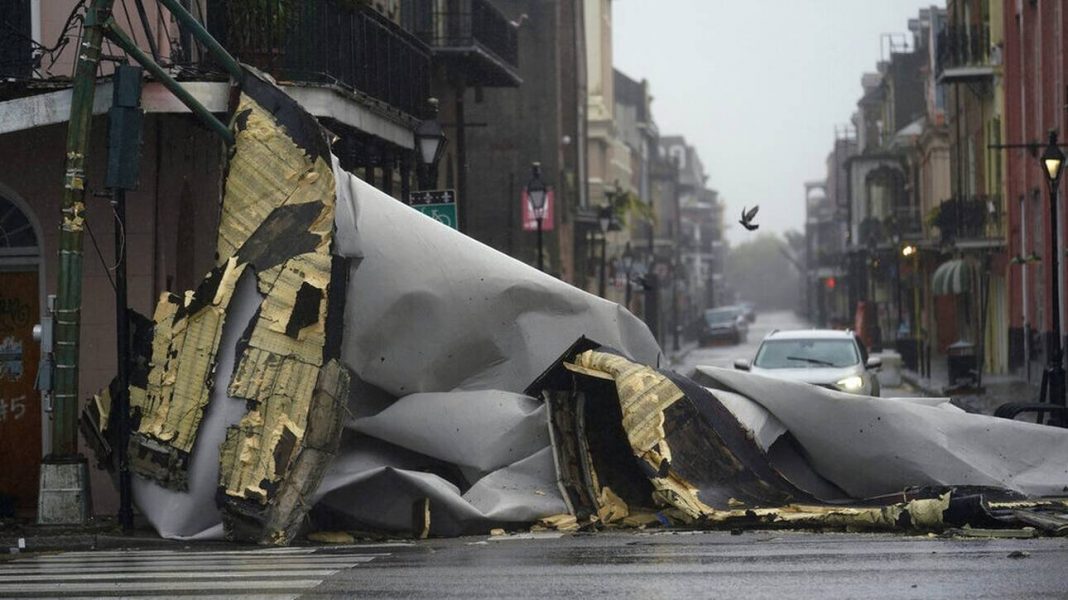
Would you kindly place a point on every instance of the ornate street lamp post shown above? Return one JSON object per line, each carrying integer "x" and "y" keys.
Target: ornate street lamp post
{"x": 628, "y": 262}
{"x": 1053, "y": 379}
{"x": 536, "y": 194}
{"x": 911, "y": 251}
{"x": 604, "y": 220}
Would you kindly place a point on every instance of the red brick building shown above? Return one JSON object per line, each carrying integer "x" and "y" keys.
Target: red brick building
{"x": 1035, "y": 81}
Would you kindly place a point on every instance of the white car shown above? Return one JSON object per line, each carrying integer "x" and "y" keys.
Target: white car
{"x": 828, "y": 358}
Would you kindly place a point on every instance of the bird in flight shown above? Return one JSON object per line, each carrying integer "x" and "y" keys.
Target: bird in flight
{"x": 748, "y": 216}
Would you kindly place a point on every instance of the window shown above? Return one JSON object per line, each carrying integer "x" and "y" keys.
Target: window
{"x": 16, "y": 231}
{"x": 800, "y": 354}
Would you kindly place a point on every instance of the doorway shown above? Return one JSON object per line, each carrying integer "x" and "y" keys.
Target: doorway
{"x": 20, "y": 403}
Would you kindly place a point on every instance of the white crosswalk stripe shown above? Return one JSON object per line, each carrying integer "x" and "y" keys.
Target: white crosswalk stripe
{"x": 260, "y": 573}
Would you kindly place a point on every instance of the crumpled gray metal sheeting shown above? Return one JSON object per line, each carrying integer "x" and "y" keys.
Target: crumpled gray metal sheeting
{"x": 447, "y": 332}
{"x": 875, "y": 446}
{"x": 499, "y": 440}
{"x": 432, "y": 310}
{"x": 484, "y": 430}
{"x": 455, "y": 331}
{"x": 373, "y": 485}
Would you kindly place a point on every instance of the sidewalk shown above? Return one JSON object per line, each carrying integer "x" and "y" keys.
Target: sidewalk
{"x": 677, "y": 357}
{"x": 21, "y": 535}
{"x": 996, "y": 389}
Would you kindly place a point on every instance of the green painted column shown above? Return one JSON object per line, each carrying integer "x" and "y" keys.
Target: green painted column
{"x": 67, "y": 318}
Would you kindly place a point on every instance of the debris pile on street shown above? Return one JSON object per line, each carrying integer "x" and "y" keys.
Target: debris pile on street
{"x": 351, "y": 364}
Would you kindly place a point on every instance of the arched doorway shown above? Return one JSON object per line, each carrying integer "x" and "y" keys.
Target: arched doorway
{"x": 20, "y": 403}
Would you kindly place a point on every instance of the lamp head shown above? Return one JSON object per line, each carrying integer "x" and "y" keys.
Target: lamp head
{"x": 1053, "y": 159}
{"x": 430, "y": 138}
{"x": 604, "y": 218}
{"x": 536, "y": 191}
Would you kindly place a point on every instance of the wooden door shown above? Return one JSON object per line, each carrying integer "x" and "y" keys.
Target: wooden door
{"x": 20, "y": 403}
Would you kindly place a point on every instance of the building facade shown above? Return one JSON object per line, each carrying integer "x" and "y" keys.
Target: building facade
{"x": 368, "y": 90}
{"x": 1035, "y": 75}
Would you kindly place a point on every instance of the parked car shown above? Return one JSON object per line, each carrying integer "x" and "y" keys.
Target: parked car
{"x": 723, "y": 323}
{"x": 828, "y": 358}
{"x": 749, "y": 309}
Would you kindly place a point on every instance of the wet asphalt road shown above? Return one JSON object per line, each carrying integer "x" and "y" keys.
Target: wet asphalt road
{"x": 712, "y": 565}
{"x": 615, "y": 565}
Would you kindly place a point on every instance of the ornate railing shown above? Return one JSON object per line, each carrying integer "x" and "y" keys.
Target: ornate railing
{"x": 969, "y": 217}
{"x": 328, "y": 41}
{"x": 462, "y": 24}
{"x": 963, "y": 46}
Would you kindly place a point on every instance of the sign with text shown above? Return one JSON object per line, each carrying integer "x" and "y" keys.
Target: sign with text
{"x": 529, "y": 222}
{"x": 439, "y": 205}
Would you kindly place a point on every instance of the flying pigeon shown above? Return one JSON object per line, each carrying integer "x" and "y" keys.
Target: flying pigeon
{"x": 747, "y": 218}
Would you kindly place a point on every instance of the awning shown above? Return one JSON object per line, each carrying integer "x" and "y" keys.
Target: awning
{"x": 953, "y": 277}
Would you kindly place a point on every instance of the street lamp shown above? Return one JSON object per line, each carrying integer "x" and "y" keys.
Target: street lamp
{"x": 628, "y": 262}
{"x": 536, "y": 195}
{"x": 604, "y": 220}
{"x": 430, "y": 142}
{"x": 1053, "y": 379}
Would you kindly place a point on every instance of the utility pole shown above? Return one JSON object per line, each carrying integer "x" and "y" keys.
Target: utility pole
{"x": 125, "y": 126}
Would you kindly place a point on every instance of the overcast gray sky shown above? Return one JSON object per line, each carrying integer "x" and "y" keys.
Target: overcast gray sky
{"x": 756, "y": 85}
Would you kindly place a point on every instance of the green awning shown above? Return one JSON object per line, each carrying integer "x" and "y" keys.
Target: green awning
{"x": 955, "y": 276}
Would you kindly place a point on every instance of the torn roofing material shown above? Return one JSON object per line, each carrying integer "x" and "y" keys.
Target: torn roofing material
{"x": 697, "y": 459}
{"x": 430, "y": 310}
{"x": 350, "y": 354}
{"x": 277, "y": 223}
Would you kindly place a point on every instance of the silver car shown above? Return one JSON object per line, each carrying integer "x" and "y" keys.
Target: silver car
{"x": 824, "y": 357}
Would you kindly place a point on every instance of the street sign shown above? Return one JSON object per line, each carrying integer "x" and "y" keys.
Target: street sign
{"x": 439, "y": 205}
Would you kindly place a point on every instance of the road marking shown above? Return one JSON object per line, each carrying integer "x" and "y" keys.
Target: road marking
{"x": 150, "y": 566}
{"x": 269, "y": 572}
{"x": 154, "y": 586}
{"x": 262, "y": 573}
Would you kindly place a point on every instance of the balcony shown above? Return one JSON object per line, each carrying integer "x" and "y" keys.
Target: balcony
{"x": 970, "y": 221}
{"x": 16, "y": 45}
{"x": 330, "y": 42}
{"x": 472, "y": 37}
{"x": 964, "y": 54}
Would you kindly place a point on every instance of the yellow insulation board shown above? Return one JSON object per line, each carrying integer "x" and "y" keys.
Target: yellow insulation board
{"x": 644, "y": 395}
{"x": 276, "y": 373}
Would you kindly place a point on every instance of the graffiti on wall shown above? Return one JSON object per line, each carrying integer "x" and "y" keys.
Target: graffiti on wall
{"x": 10, "y": 358}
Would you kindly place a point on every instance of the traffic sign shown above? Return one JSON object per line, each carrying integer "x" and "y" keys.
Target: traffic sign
{"x": 439, "y": 205}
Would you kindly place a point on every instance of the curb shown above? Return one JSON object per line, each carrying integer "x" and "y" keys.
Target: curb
{"x": 63, "y": 543}
{"x": 912, "y": 378}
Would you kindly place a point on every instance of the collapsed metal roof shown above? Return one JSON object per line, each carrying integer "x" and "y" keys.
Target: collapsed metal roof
{"x": 351, "y": 363}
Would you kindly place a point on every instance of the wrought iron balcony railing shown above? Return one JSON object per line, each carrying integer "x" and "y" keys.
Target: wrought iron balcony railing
{"x": 328, "y": 41}
{"x": 965, "y": 218}
{"x": 963, "y": 47}
{"x": 16, "y": 45}
{"x": 470, "y": 28}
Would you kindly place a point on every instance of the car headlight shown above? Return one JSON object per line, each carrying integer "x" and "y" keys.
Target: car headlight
{"x": 850, "y": 384}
